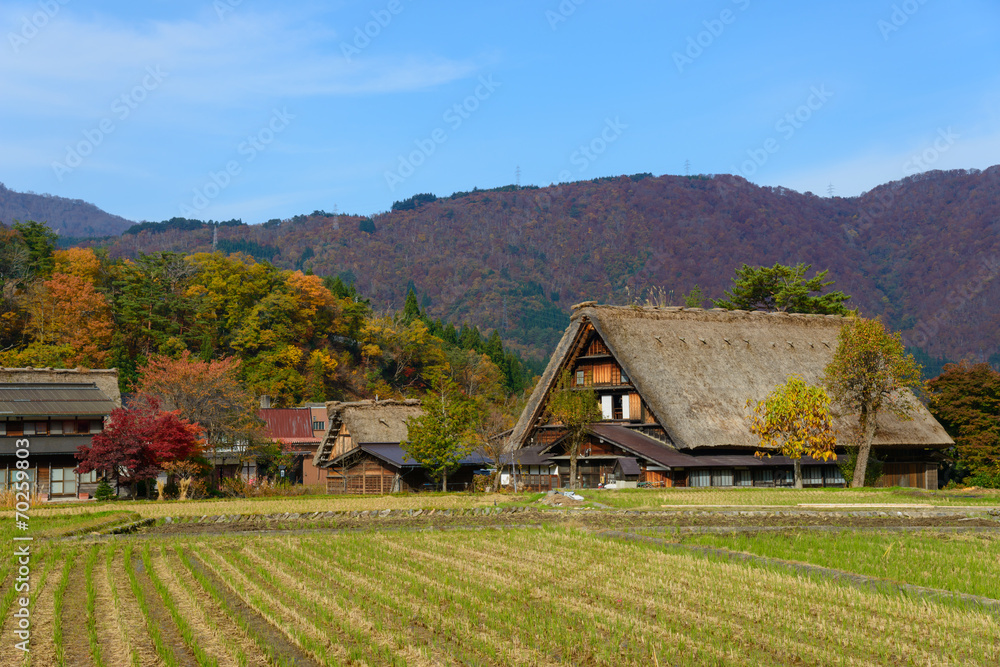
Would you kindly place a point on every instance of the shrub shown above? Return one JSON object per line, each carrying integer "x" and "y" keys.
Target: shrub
{"x": 985, "y": 480}
{"x": 872, "y": 473}
{"x": 104, "y": 491}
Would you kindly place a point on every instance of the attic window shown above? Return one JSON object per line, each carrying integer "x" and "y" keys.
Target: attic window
{"x": 580, "y": 377}
{"x": 625, "y": 379}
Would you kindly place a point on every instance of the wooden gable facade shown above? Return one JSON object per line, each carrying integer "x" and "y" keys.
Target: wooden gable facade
{"x": 673, "y": 385}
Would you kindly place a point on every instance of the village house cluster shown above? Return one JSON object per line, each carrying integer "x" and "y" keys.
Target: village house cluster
{"x": 673, "y": 386}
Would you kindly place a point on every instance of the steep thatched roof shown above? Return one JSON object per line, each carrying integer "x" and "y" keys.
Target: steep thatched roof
{"x": 368, "y": 422}
{"x": 696, "y": 369}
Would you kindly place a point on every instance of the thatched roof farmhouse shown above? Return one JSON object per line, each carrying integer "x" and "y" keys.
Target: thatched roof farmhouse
{"x": 674, "y": 385}
{"x": 362, "y": 449}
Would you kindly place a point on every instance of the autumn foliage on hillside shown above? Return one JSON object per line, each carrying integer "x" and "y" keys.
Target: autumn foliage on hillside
{"x": 210, "y": 333}
{"x": 923, "y": 252}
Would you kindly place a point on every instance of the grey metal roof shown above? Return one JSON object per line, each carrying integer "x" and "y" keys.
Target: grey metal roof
{"x": 394, "y": 455}
{"x": 52, "y": 399}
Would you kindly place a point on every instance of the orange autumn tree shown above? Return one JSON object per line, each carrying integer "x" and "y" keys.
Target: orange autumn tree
{"x": 209, "y": 393}
{"x": 795, "y": 420}
{"x": 871, "y": 373}
{"x": 67, "y": 315}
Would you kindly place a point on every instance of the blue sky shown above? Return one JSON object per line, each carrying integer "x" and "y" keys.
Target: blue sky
{"x": 253, "y": 109}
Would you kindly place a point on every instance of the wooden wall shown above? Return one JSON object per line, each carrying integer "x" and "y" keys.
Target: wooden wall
{"x": 917, "y": 475}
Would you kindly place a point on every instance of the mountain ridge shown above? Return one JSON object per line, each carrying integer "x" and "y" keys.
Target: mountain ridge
{"x": 923, "y": 252}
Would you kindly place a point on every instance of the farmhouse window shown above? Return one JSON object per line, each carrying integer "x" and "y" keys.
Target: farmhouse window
{"x": 722, "y": 477}
{"x": 319, "y": 426}
{"x": 63, "y": 482}
{"x": 833, "y": 475}
{"x": 812, "y": 475}
{"x": 606, "y": 407}
{"x": 88, "y": 477}
{"x": 580, "y": 377}
{"x": 743, "y": 478}
{"x": 624, "y": 378}
{"x": 28, "y": 428}
{"x": 701, "y": 478}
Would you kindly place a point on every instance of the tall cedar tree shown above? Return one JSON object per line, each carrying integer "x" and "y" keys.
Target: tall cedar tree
{"x": 782, "y": 288}
{"x": 795, "y": 419}
{"x": 440, "y": 438}
{"x": 965, "y": 398}
{"x": 138, "y": 441}
{"x": 871, "y": 373}
{"x": 576, "y": 409}
{"x": 209, "y": 393}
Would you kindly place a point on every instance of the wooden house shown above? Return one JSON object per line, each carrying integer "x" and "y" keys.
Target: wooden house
{"x": 56, "y": 411}
{"x": 673, "y": 385}
{"x": 363, "y": 455}
{"x": 295, "y": 429}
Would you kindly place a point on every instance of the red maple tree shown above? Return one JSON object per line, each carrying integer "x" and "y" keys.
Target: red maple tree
{"x": 139, "y": 440}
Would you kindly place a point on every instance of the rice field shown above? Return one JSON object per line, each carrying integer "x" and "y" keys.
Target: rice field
{"x": 549, "y": 596}
{"x": 301, "y": 504}
{"x": 778, "y": 497}
{"x": 958, "y": 562}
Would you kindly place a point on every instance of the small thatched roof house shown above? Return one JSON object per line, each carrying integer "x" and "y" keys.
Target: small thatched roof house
{"x": 362, "y": 449}
{"x": 674, "y": 383}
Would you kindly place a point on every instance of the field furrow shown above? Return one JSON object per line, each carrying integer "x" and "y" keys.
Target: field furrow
{"x": 43, "y": 652}
{"x": 75, "y": 648}
{"x": 132, "y": 622}
{"x": 363, "y": 633}
{"x": 205, "y": 615}
{"x": 262, "y": 598}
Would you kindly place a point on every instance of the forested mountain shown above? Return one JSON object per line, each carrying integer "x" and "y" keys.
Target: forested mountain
{"x": 73, "y": 218}
{"x": 924, "y": 252}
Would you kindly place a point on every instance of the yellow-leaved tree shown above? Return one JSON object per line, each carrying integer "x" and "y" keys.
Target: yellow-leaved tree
{"x": 795, "y": 420}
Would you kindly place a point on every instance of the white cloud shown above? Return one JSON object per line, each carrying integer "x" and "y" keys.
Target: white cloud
{"x": 74, "y": 67}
